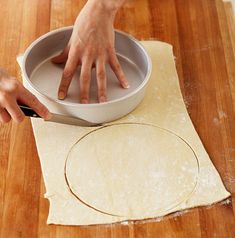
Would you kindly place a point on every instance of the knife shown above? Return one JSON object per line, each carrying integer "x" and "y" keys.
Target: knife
{"x": 58, "y": 118}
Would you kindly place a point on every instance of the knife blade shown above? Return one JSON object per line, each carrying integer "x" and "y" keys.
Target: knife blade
{"x": 58, "y": 118}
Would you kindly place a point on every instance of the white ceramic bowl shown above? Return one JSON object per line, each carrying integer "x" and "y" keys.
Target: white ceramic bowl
{"x": 42, "y": 78}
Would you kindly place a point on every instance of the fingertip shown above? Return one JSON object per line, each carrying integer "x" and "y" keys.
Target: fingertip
{"x": 125, "y": 85}
{"x": 102, "y": 99}
{"x": 84, "y": 101}
{"x": 48, "y": 116}
{"x": 123, "y": 81}
{"x": 55, "y": 59}
{"x": 45, "y": 113}
{"x": 5, "y": 117}
{"x": 5, "y": 120}
{"x": 58, "y": 59}
{"x": 61, "y": 95}
{"x": 19, "y": 119}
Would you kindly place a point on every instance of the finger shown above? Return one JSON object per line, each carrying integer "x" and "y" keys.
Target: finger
{"x": 15, "y": 112}
{"x": 117, "y": 69}
{"x": 4, "y": 116}
{"x": 29, "y": 99}
{"x": 69, "y": 71}
{"x": 101, "y": 80}
{"x": 85, "y": 80}
{"x": 62, "y": 57}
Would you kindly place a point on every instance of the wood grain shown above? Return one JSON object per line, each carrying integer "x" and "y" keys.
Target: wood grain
{"x": 202, "y": 32}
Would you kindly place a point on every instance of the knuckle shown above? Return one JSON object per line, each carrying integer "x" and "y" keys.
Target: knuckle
{"x": 9, "y": 88}
{"x": 111, "y": 49}
{"x": 101, "y": 74}
{"x": 117, "y": 66}
{"x": 67, "y": 74}
{"x": 75, "y": 45}
{"x": 34, "y": 100}
{"x": 102, "y": 91}
{"x": 4, "y": 98}
{"x": 121, "y": 75}
{"x": 13, "y": 86}
{"x": 19, "y": 116}
{"x": 63, "y": 87}
{"x": 85, "y": 78}
{"x": 114, "y": 61}
{"x": 89, "y": 53}
{"x": 101, "y": 51}
{"x": 42, "y": 109}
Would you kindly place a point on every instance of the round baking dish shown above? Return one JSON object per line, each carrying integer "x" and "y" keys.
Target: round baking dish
{"x": 42, "y": 78}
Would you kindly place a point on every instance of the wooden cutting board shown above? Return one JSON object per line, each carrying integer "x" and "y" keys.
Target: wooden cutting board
{"x": 203, "y": 35}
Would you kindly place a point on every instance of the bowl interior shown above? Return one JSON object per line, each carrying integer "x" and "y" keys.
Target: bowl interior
{"x": 45, "y": 76}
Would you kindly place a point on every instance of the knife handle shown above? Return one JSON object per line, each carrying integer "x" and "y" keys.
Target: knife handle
{"x": 28, "y": 111}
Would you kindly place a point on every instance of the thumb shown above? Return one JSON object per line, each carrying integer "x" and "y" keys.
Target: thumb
{"x": 61, "y": 58}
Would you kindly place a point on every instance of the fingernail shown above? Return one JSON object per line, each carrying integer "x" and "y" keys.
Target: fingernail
{"x": 102, "y": 99}
{"x": 84, "y": 101}
{"x": 126, "y": 85}
{"x": 61, "y": 95}
{"x": 48, "y": 116}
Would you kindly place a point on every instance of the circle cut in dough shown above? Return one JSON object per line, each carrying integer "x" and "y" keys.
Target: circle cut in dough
{"x": 132, "y": 170}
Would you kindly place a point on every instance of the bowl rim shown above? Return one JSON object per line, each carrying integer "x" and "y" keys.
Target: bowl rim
{"x": 35, "y": 42}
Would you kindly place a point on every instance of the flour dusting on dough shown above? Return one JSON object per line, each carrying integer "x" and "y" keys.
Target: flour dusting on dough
{"x": 163, "y": 106}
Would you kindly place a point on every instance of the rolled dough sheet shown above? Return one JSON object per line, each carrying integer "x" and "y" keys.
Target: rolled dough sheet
{"x": 147, "y": 164}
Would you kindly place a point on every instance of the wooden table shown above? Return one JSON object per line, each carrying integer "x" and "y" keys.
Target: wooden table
{"x": 202, "y": 33}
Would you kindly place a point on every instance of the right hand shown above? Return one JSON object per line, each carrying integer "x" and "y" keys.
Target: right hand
{"x": 11, "y": 92}
{"x": 91, "y": 44}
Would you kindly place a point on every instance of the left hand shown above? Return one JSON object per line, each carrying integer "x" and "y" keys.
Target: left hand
{"x": 12, "y": 92}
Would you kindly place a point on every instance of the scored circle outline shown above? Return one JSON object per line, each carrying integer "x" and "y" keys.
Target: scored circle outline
{"x": 130, "y": 123}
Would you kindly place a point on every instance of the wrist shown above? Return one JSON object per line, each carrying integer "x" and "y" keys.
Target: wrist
{"x": 107, "y": 6}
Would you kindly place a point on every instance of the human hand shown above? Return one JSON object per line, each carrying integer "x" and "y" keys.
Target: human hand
{"x": 11, "y": 92}
{"x": 91, "y": 45}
